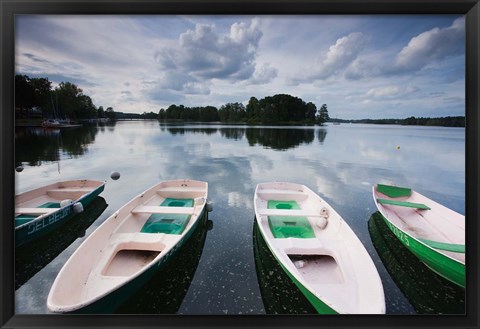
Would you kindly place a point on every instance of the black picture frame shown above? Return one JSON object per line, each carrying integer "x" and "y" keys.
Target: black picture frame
{"x": 11, "y": 8}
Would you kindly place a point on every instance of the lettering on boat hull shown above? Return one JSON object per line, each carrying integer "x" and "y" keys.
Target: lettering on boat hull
{"x": 49, "y": 220}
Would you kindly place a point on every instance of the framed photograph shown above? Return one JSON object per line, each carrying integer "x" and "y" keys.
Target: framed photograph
{"x": 231, "y": 163}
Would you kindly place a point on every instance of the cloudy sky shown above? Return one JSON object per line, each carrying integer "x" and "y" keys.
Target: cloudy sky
{"x": 360, "y": 66}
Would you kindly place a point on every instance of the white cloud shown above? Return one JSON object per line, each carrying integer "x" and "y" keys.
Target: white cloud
{"x": 433, "y": 45}
{"x": 137, "y": 64}
{"x": 387, "y": 92}
{"x": 205, "y": 54}
{"x": 264, "y": 74}
{"x": 338, "y": 57}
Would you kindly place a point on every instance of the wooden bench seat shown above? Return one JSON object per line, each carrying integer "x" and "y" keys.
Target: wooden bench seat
{"x": 35, "y": 211}
{"x": 288, "y": 212}
{"x": 162, "y": 210}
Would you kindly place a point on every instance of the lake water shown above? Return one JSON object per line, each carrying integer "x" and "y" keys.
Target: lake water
{"x": 226, "y": 270}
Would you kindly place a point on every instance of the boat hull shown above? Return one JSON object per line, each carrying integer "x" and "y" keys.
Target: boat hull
{"x": 33, "y": 257}
{"x": 320, "y": 306}
{"x": 432, "y": 232}
{"x": 279, "y": 294}
{"x": 109, "y": 303}
{"x": 426, "y": 291}
{"x": 40, "y": 227}
{"x": 444, "y": 266}
{"x": 317, "y": 250}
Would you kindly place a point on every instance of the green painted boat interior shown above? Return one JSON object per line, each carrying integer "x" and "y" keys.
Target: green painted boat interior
{"x": 168, "y": 223}
{"x": 460, "y": 248}
{"x": 403, "y": 204}
{"x": 21, "y": 219}
{"x": 394, "y": 191}
{"x": 288, "y": 226}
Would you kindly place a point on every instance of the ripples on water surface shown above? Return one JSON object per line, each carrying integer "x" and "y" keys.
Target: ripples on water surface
{"x": 222, "y": 276}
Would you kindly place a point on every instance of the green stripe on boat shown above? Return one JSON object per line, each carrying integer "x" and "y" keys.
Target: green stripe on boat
{"x": 168, "y": 223}
{"x": 50, "y": 205}
{"x": 289, "y": 226}
{"x": 403, "y": 204}
{"x": 460, "y": 248}
{"x": 394, "y": 191}
{"x": 23, "y": 218}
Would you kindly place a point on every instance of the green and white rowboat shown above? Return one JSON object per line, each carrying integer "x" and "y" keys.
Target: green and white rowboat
{"x": 46, "y": 208}
{"x": 318, "y": 250}
{"x": 126, "y": 250}
{"x": 432, "y": 232}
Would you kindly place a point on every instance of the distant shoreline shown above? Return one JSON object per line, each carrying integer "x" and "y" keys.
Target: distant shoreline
{"x": 450, "y": 121}
{"x": 430, "y": 122}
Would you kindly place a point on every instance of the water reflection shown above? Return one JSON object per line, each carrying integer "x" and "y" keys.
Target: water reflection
{"x": 36, "y": 145}
{"x": 275, "y": 138}
{"x": 165, "y": 292}
{"x": 232, "y": 133}
{"x": 321, "y": 134}
{"x": 279, "y": 294}
{"x": 427, "y": 292}
{"x": 32, "y": 257}
{"x": 279, "y": 139}
{"x": 341, "y": 168}
{"x": 190, "y": 130}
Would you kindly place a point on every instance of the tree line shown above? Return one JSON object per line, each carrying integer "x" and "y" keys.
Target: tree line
{"x": 36, "y": 96}
{"x": 277, "y": 109}
{"x": 450, "y": 121}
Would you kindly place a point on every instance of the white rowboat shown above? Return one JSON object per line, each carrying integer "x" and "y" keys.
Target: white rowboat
{"x": 124, "y": 252}
{"x": 432, "y": 232}
{"x": 42, "y": 210}
{"x": 318, "y": 250}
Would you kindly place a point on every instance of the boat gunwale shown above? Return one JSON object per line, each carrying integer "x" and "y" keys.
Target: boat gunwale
{"x": 55, "y": 210}
{"x": 129, "y": 206}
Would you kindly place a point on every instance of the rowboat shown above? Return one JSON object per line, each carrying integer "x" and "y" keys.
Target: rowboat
{"x": 44, "y": 209}
{"x": 431, "y": 231}
{"x": 318, "y": 250}
{"x": 426, "y": 291}
{"x": 128, "y": 248}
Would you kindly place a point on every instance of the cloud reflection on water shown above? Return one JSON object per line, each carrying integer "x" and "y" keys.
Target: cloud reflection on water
{"x": 340, "y": 163}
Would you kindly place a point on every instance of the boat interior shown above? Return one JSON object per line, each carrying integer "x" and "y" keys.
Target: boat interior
{"x": 424, "y": 219}
{"x": 153, "y": 224}
{"x": 318, "y": 268}
{"x": 50, "y": 196}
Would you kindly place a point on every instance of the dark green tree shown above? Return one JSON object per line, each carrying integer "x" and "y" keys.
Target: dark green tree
{"x": 100, "y": 112}
{"x": 110, "y": 114}
{"x": 253, "y": 109}
{"x": 42, "y": 89}
{"x": 323, "y": 115}
{"x": 24, "y": 94}
{"x": 232, "y": 112}
{"x": 310, "y": 112}
{"x": 68, "y": 100}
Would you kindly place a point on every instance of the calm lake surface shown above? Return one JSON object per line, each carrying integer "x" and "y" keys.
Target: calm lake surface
{"x": 225, "y": 269}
